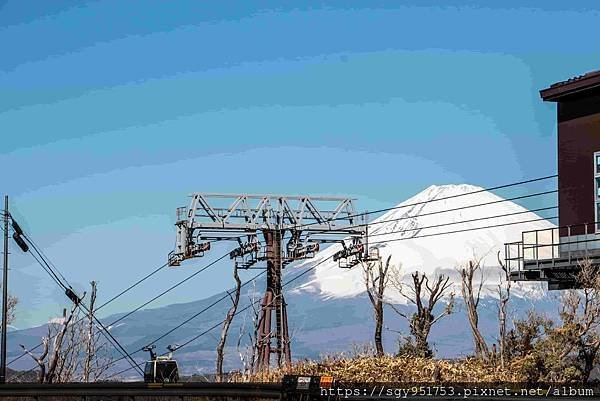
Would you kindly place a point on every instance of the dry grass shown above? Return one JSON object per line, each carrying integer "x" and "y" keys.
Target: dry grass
{"x": 398, "y": 369}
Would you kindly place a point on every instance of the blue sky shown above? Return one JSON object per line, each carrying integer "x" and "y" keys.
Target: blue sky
{"x": 112, "y": 112}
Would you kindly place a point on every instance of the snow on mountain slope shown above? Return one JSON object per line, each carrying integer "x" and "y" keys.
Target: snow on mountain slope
{"x": 409, "y": 234}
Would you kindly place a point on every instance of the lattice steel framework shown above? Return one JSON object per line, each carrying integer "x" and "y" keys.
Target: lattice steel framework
{"x": 259, "y": 223}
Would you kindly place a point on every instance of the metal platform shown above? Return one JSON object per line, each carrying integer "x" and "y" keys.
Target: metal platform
{"x": 553, "y": 255}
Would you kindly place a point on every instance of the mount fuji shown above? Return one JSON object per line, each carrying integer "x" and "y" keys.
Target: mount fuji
{"x": 434, "y": 232}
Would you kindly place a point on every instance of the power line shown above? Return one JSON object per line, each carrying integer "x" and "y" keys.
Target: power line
{"x": 42, "y": 255}
{"x": 142, "y": 305}
{"x": 101, "y": 306}
{"x": 169, "y": 289}
{"x": 134, "y": 285}
{"x": 222, "y": 321}
{"x": 104, "y": 304}
{"x": 126, "y": 290}
{"x": 329, "y": 257}
{"x": 81, "y": 305}
{"x": 312, "y": 268}
{"x": 463, "y": 230}
{"x": 149, "y": 301}
{"x": 392, "y": 232}
{"x": 436, "y": 199}
{"x": 204, "y": 310}
{"x": 392, "y": 208}
{"x": 464, "y": 221}
{"x": 227, "y": 294}
{"x": 453, "y": 210}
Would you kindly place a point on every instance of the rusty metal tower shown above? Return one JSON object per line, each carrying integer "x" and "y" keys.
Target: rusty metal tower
{"x": 261, "y": 225}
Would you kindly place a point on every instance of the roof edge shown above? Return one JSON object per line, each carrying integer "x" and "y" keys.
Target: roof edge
{"x": 571, "y": 86}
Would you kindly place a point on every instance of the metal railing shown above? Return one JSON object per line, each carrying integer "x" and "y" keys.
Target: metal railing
{"x": 181, "y": 213}
{"x": 566, "y": 244}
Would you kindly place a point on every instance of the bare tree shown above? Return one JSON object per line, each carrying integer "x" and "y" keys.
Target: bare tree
{"x": 247, "y": 352}
{"x": 504, "y": 297}
{"x": 51, "y": 355}
{"x": 11, "y": 307}
{"x": 376, "y": 283}
{"x": 580, "y": 315}
{"x": 424, "y": 296}
{"x": 235, "y": 299}
{"x": 471, "y": 298}
{"x": 255, "y": 329}
{"x": 73, "y": 350}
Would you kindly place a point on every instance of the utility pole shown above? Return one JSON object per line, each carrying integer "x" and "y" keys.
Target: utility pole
{"x": 4, "y": 293}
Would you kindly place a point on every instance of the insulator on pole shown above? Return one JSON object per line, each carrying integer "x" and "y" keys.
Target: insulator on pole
{"x": 22, "y": 244}
{"x": 72, "y": 296}
{"x": 16, "y": 227}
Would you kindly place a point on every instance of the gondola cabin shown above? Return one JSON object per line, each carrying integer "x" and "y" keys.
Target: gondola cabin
{"x": 554, "y": 255}
{"x": 161, "y": 369}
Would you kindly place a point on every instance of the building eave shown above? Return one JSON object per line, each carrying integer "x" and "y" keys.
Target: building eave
{"x": 572, "y": 86}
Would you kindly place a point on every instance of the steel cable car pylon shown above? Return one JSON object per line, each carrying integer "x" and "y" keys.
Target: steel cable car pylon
{"x": 273, "y": 302}
{"x": 308, "y": 221}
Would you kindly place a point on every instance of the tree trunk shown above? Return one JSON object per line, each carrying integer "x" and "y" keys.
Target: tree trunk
{"x": 502, "y": 322}
{"x": 89, "y": 345}
{"x": 471, "y": 303}
{"x": 57, "y": 347}
{"x": 504, "y": 296}
{"x": 378, "y": 307}
{"x": 420, "y": 328}
{"x": 587, "y": 355}
{"x": 227, "y": 323}
{"x": 375, "y": 286}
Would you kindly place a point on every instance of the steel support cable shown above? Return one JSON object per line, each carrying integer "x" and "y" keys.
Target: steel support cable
{"x": 189, "y": 319}
{"x": 324, "y": 260}
{"x": 104, "y": 304}
{"x": 463, "y": 230}
{"x": 235, "y": 314}
{"x": 101, "y": 306}
{"x": 170, "y": 289}
{"x": 329, "y": 257}
{"x": 52, "y": 276}
{"x": 436, "y": 199}
{"x": 453, "y": 196}
{"x": 205, "y": 309}
{"x": 464, "y": 207}
{"x": 464, "y": 221}
{"x": 153, "y": 299}
{"x": 450, "y": 210}
{"x": 44, "y": 257}
{"x": 107, "y": 334}
{"x": 152, "y": 273}
{"x": 141, "y": 306}
{"x": 149, "y": 301}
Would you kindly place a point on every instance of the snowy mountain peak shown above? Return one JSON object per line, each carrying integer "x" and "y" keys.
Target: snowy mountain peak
{"x": 435, "y": 231}
{"x": 438, "y": 191}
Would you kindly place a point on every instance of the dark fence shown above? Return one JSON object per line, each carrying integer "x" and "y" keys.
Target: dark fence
{"x": 139, "y": 391}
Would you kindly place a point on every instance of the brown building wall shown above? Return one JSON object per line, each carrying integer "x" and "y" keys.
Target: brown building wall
{"x": 578, "y": 139}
